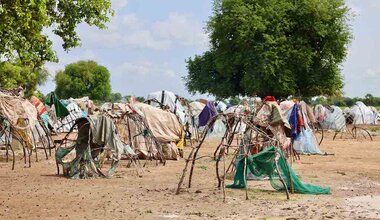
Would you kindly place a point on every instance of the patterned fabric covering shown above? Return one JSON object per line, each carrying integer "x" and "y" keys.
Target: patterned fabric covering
{"x": 38, "y": 104}
{"x": 21, "y": 115}
{"x": 88, "y": 151}
{"x": 14, "y": 108}
{"x": 270, "y": 115}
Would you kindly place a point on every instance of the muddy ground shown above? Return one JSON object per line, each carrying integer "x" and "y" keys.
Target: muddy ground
{"x": 353, "y": 173}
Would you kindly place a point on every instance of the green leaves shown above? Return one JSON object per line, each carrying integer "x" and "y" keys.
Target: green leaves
{"x": 23, "y": 25}
{"x": 14, "y": 74}
{"x": 83, "y": 78}
{"x": 273, "y": 47}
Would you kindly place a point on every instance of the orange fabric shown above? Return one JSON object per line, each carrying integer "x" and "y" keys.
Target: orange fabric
{"x": 38, "y": 104}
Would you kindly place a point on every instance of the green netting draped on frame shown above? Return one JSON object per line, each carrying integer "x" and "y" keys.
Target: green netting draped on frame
{"x": 263, "y": 163}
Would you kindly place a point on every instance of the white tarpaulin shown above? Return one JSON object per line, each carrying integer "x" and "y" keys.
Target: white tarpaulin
{"x": 169, "y": 99}
{"x": 361, "y": 114}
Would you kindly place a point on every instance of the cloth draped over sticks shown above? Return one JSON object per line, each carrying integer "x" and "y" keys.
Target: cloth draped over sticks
{"x": 39, "y": 105}
{"x": 207, "y": 113}
{"x": 103, "y": 136}
{"x": 60, "y": 109}
{"x": 264, "y": 164}
{"x": 164, "y": 125}
{"x": 308, "y": 111}
{"x": 270, "y": 114}
{"x": 296, "y": 121}
{"x": 21, "y": 114}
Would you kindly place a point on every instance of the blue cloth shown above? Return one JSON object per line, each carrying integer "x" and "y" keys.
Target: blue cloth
{"x": 294, "y": 122}
{"x": 207, "y": 113}
{"x": 45, "y": 118}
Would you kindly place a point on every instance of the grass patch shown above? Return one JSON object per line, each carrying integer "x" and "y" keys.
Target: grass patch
{"x": 203, "y": 167}
{"x": 199, "y": 214}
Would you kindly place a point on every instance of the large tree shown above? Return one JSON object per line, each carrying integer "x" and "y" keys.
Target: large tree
{"x": 273, "y": 47}
{"x": 83, "y": 78}
{"x": 26, "y": 28}
{"x": 14, "y": 74}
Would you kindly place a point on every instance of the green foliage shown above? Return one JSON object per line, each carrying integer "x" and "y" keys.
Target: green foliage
{"x": 140, "y": 99}
{"x": 83, "y": 78}
{"x": 24, "y": 26}
{"x": 14, "y": 75}
{"x": 39, "y": 95}
{"x": 273, "y": 47}
{"x": 116, "y": 97}
{"x": 234, "y": 100}
{"x": 369, "y": 100}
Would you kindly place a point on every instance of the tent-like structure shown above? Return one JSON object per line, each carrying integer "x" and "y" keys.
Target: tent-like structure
{"x": 133, "y": 129}
{"x": 165, "y": 128}
{"x": 85, "y": 103}
{"x": 330, "y": 117}
{"x": 96, "y": 138}
{"x": 300, "y": 118}
{"x": 63, "y": 113}
{"x": 64, "y": 124}
{"x": 169, "y": 100}
{"x": 21, "y": 127}
{"x": 360, "y": 114}
{"x": 259, "y": 151}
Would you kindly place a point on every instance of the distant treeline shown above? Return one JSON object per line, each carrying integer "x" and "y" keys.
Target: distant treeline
{"x": 369, "y": 100}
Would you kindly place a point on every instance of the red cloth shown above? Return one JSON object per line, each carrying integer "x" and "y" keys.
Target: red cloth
{"x": 270, "y": 99}
{"x": 300, "y": 121}
{"x": 38, "y": 104}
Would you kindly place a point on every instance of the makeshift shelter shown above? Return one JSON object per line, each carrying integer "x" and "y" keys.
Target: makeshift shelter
{"x": 60, "y": 110}
{"x": 303, "y": 138}
{"x": 64, "y": 124}
{"x": 270, "y": 116}
{"x": 171, "y": 101}
{"x": 257, "y": 138}
{"x": 207, "y": 113}
{"x": 134, "y": 130}
{"x": 360, "y": 114}
{"x": 96, "y": 137}
{"x": 330, "y": 117}
{"x": 271, "y": 162}
{"x": 165, "y": 128}
{"x": 85, "y": 103}
{"x": 21, "y": 128}
{"x": 376, "y": 114}
{"x": 194, "y": 109}
{"x": 221, "y": 106}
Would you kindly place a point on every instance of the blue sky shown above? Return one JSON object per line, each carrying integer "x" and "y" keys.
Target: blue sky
{"x": 147, "y": 41}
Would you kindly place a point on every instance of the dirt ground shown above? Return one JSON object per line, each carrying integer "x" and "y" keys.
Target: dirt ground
{"x": 353, "y": 173}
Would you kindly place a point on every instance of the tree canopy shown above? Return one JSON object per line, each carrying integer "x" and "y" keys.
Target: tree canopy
{"x": 14, "y": 74}
{"x": 83, "y": 78}
{"x": 116, "y": 97}
{"x": 24, "y": 26}
{"x": 273, "y": 47}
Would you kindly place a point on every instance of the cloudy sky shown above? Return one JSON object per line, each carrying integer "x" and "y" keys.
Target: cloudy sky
{"x": 147, "y": 42}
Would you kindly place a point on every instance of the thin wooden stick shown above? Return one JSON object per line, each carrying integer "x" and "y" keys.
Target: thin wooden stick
{"x": 245, "y": 175}
{"x": 282, "y": 180}
{"x": 184, "y": 171}
{"x": 224, "y": 176}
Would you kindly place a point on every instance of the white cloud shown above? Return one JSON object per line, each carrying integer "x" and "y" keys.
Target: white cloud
{"x": 182, "y": 29}
{"x": 373, "y": 73}
{"x": 119, "y": 4}
{"x": 131, "y": 21}
{"x": 146, "y": 69}
{"x": 130, "y": 31}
